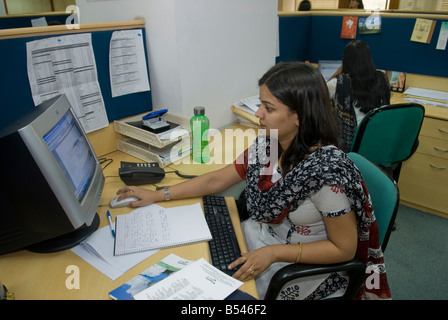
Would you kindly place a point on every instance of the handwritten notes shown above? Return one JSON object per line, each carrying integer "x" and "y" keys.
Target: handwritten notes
{"x": 155, "y": 227}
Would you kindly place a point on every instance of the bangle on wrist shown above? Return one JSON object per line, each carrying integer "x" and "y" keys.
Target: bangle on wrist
{"x": 166, "y": 191}
{"x": 300, "y": 252}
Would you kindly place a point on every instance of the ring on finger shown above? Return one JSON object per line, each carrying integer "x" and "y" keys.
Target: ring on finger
{"x": 244, "y": 258}
{"x": 251, "y": 271}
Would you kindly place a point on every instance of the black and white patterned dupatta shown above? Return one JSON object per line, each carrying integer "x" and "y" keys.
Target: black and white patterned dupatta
{"x": 270, "y": 202}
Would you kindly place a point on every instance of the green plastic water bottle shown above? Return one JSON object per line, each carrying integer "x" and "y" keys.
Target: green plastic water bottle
{"x": 199, "y": 130}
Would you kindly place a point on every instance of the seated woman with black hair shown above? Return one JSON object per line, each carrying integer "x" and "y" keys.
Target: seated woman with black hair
{"x": 356, "y": 88}
{"x": 306, "y": 199}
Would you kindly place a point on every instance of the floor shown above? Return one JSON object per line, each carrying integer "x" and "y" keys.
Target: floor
{"x": 417, "y": 256}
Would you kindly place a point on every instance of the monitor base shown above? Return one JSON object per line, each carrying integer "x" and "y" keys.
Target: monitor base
{"x": 65, "y": 241}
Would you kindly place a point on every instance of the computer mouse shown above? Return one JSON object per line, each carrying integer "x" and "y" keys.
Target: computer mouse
{"x": 114, "y": 203}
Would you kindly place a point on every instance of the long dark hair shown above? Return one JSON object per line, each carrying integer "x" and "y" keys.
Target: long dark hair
{"x": 360, "y": 4}
{"x": 302, "y": 88}
{"x": 304, "y": 5}
{"x": 369, "y": 87}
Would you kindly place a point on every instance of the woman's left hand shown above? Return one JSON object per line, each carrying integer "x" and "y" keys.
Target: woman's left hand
{"x": 252, "y": 263}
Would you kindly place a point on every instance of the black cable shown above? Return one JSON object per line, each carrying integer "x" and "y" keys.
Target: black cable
{"x": 104, "y": 160}
{"x": 186, "y": 176}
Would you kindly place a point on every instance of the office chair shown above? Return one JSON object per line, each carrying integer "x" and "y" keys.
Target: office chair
{"x": 389, "y": 135}
{"x": 384, "y": 193}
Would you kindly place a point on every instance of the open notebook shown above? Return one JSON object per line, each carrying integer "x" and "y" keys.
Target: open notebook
{"x": 154, "y": 227}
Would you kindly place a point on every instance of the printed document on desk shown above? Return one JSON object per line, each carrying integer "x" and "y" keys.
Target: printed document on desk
{"x": 245, "y": 109}
{"x": 197, "y": 281}
{"x": 426, "y": 96}
{"x": 98, "y": 250}
{"x": 157, "y": 272}
{"x": 253, "y": 103}
{"x": 248, "y": 105}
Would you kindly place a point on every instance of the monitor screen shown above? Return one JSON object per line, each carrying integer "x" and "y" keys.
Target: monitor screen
{"x": 71, "y": 151}
{"x": 328, "y": 67}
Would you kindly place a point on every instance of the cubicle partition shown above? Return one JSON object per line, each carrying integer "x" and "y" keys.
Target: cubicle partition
{"x": 316, "y": 36}
{"x": 295, "y": 36}
{"x": 15, "y": 89}
{"x": 312, "y": 36}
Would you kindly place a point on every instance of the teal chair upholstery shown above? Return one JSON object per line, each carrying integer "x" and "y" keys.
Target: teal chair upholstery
{"x": 389, "y": 135}
{"x": 384, "y": 193}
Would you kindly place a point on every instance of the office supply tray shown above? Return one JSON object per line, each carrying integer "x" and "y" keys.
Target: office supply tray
{"x": 148, "y": 153}
{"x": 125, "y": 128}
{"x": 147, "y": 145}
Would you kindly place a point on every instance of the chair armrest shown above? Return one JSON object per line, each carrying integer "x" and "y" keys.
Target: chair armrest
{"x": 356, "y": 268}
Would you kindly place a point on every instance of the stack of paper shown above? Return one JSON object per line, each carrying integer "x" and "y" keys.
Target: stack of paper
{"x": 426, "y": 96}
{"x": 140, "y": 234}
{"x": 245, "y": 110}
{"x": 169, "y": 153}
{"x": 98, "y": 250}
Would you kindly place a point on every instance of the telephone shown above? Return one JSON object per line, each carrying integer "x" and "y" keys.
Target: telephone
{"x": 135, "y": 173}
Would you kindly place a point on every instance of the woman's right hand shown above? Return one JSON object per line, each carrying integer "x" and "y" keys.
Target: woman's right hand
{"x": 145, "y": 196}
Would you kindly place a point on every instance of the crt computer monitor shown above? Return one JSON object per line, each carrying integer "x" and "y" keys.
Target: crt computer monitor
{"x": 50, "y": 180}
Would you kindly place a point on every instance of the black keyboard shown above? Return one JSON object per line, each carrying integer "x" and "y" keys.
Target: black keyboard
{"x": 224, "y": 247}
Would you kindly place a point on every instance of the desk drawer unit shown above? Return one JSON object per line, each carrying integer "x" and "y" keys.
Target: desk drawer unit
{"x": 424, "y": 177}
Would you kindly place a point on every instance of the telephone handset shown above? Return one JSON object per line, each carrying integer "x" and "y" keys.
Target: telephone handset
{"x": 135, "y": 173}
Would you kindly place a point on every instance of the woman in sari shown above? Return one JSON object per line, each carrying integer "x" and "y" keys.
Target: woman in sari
{"x": 306, "y": 199}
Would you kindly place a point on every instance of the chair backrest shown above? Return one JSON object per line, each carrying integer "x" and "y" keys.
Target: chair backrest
{"x": 384, "y": 193}
{"x": 389, "y": 135}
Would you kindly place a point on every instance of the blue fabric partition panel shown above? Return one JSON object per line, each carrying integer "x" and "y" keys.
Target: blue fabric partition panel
{"x": 15, "y": 89}
{"x": 294, "y": 38}
{"x": 391, "y": 49}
